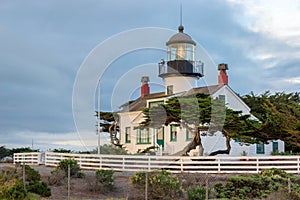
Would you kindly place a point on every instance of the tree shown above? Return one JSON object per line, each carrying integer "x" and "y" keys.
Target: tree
{"x": 4, "y": 152}
{"x": 110, "y": 149}
{"x": 279, "y": 116}
{"x": 61, "y": 150}
{"x": 200, "y": 113}
{"x": 23, "y": 150}
{"x": 109, "y": 124}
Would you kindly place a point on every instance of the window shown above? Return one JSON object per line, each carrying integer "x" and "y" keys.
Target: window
{"x": 160, "y": 133}
{"x": 170, "y": 89}
{"x": 275, "y": 147}
{"x": 127, "y": 134}
{"x": 222, "y": 97}
{"x": 173, "y": 131}
{"x": 155, "y": 103}
{"x": 143, "y": 136}
{"x": 181, "y": 52}
{"x": 189, "y": 52}
{"x": 260, "y": 148}
{"x": 171, "y": 52}
{"x": 189, "y": 135}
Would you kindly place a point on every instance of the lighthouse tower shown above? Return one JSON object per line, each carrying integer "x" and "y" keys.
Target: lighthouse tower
{"x": 181, "y": 71}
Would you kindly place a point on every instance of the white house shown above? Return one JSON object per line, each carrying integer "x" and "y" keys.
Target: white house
{"x": 180, "y": 73}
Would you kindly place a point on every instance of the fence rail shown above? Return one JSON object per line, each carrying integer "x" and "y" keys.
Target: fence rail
{"x": 207, "y": 164}
{"x": 32, "y": 158}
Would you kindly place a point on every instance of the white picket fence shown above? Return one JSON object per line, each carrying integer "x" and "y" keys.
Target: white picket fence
{"x": 32, "y": 158}
{"x": 209, "y": 164}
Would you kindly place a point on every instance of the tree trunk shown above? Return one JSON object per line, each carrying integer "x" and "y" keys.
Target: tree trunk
{"x": 192, "y": 145}
{"x": 113, "y": 135}
{"x": 226, "y": 151}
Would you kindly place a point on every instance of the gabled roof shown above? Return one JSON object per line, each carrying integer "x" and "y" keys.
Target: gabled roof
{"x": 205, "y": 90}
{"x": 141, "y": 102}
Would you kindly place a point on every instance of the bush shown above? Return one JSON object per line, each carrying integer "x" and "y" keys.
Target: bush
{"x": 255, "y": 186}
{"x": 105, "y": 178}
{"x": 56, "y": 177}
{"x": 74, "y": 168}
{"x": 40, "y": 188}
{"x": 31, "y": 174}
{"x": 11, "y": 185}
{"x": 275, "y": 173}
{"x": 12, "y": 189}
{"x": 196, "y": 193}
{"x": 161, "y": 185}
{"x": 35, "y": 185}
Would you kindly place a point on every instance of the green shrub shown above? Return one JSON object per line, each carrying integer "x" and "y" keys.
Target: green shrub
{"x": 11, "y": 184}
{"x": 31, "y": 174}
{"x": 196, "y": 193}
{"x": 74, "y": 168}
{"x": 161, "y": 184}
{"x": 105, "y": 178}
{"x": 40, "y": 188}
{"x": 275, "y": 173}
{"x": 12, "y": 189}
{"x": 254, "y": 186}
{"x": 35, "y": 185}
{"x": 295, "y": 191}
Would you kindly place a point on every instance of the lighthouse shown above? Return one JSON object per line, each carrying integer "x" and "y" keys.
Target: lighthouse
{"x": 181, "y": 71}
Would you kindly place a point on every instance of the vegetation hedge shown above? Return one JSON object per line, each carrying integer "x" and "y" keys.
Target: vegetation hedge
{"x": 257, "y": 185}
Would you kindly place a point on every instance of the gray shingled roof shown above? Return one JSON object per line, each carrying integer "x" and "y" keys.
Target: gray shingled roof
{"x": 141, "y": 102}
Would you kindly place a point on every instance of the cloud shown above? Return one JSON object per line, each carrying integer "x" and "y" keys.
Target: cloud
{"x": 274, "y": 18}
{"x": 46, "y": 141}
{"x": 43, "y": 44}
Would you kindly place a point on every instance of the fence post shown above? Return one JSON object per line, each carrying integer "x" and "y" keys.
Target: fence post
{"x": 289, "y": 185}
{"x": 181, "y": 165}
{"x": 219, "y": 165}
{"x": 100, "y": 162}
{"x": 123, "y": 164}
{"x": 24, "y": 176}
{"x": 146, "y": 186}
{"x": 298, "y": 165}
{"x": 69, "y": 174}
{"x": 257, "y": 165}
{"x": 206, "y": 187}
{"x": 149, "y": 164}
{"x": 80, "y": 165}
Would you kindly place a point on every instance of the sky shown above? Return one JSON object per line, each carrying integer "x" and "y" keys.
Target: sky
{"x": 46, "y": 45}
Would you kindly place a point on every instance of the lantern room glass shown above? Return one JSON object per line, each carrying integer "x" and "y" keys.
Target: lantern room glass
{"x": 181, "y": 51}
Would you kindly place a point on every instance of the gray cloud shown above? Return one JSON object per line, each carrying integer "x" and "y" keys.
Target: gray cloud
{"x": 43, "y": 44}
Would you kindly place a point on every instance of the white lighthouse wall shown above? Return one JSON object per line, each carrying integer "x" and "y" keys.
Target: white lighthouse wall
{"x": 180, "y": 83}
{"x": 132, "y": 120}
{"x": 218, "y": 142}
{"x": 232, "y": 101}
{"x": 210, "y": 143}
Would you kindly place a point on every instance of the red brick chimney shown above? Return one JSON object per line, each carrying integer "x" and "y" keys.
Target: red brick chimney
{"x": 145, "y": 89}
{"x": 222, "y": 78}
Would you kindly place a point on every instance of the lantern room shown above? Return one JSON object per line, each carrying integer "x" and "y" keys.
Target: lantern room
{"x": 181, "y": 47}
{"x": 181, "y": 57}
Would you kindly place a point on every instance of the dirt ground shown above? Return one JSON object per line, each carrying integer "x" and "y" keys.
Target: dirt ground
{"x": 82, "y": 188}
